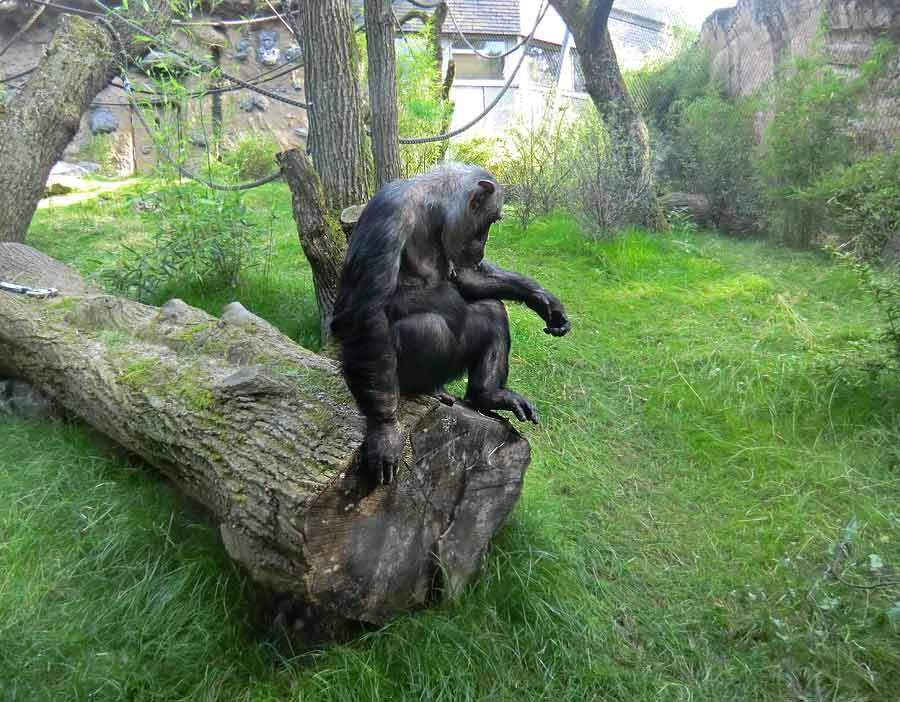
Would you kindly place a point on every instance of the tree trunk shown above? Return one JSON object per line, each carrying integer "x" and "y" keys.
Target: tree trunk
{"x": 38, "y": 123}
{"x": 321, "y": 236}
{"x": 588, "y": 20}
{"x": 266, "y": 435}
{"x": 337, "y": 138}
{"x": 383, "y": 90}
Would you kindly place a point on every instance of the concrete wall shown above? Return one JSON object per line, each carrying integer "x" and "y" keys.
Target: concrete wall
{"x": 749, "y": 40}
{"x": 244, "y": 52}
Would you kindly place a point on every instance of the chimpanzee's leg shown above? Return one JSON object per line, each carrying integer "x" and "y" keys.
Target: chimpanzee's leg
{"x": 429, "y": 354}
{"x": 486, "y": 341}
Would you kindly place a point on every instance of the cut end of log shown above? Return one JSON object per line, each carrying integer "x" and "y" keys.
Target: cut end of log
{"x": 349, "y": 218}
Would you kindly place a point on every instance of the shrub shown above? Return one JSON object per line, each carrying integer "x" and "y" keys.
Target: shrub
{"x": 862, "y": 205}
{"x": 203, "y": 237}
{"x": 663, "y": 88}
{"x": 538, "y": 163}
{"x": 565, "y": 159}
{"x": 487, "y": 152}
{"x": 811, "y": 133}
{"x": 715, "y": 145}
{"x": 884, "y": 286}
{"x": 252, "y": 156}
{"x": 603, "y": 194}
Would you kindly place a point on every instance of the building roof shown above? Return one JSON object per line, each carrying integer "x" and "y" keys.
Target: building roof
{"x": 486, "y": 16}
{"x": 502, "y": 17}
{"x": 473, "y": 16}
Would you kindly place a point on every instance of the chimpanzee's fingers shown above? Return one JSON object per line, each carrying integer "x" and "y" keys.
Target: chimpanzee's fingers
{"x": 517, "y": 410}
{"x": 531, "y": 412}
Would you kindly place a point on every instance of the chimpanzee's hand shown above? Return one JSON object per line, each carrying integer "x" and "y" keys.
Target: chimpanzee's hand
{"x": 552, "y": 312}
{"x": 384, "y": 445}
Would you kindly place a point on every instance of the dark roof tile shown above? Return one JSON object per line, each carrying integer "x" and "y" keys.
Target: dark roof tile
{"x": 473, "y": 16}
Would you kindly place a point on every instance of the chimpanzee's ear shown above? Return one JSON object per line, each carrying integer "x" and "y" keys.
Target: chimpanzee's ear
{"x": 482, "y": 193}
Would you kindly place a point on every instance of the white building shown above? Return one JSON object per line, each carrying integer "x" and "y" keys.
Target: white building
{"x": 640, "y": 29}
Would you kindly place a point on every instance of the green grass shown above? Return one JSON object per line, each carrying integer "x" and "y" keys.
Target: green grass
{"x": 696, "y": 464}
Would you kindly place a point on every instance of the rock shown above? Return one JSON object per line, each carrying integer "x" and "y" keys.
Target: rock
{"x": 748, "y": 41}
{"x": 301, "y": 132}
{"x": 242, "y": 50}
{"x": 103, "y": 121}
{"x": 20, "y": 399}
{"x": 255, "y": 102}
{"x": 695, "y": 204}
{"x": 155, "y": 61}
{"x": 293, "y": 54}
{"x": 267, "y": 52}
{"x": 62, "y": 168}
{"x": 88, "y": 166}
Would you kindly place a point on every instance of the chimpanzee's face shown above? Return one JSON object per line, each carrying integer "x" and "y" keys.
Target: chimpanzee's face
{"x": 484, "y": 208}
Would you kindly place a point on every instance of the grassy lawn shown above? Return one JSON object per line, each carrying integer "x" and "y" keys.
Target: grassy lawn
{"x": 697, "y": 463}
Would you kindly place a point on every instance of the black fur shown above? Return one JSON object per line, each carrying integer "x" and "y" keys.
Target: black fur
{"x": 418, "y": 306}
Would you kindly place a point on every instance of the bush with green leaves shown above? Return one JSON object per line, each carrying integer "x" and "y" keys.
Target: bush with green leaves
{"x": 811, "y": 133}
{"x": 203, "y": 237}
{"x": 664, "y": 87}
{"x": 537, "y": 164}
{"x": 714, "y": 142}
{"x": 861, "y": 204}
{"x": 252, "y": 155}
{"x": 881, "y": 350}
{"x": 487, "y": 152}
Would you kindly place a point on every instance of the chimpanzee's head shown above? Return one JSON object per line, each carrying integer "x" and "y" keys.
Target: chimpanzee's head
{"x": 481, "y": 204}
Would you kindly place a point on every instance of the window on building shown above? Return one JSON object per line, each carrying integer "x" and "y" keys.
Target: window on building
{"x": 471, "y": 66}
{"x": 578, "y": 84}
{"x": 543, "y": 64}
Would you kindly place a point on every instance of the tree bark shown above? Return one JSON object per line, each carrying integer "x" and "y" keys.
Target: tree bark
{"x": 43, "y": 117}
{"x": 383, "y": 90}
{"x": 321, "y": 236}
{"x": 266, "y": 435}
{"x": 337, "y": 138}
{"x": 588, "y": 20}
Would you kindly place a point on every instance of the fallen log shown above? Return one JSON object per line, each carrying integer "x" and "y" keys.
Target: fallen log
{"x": 265, "y": 434}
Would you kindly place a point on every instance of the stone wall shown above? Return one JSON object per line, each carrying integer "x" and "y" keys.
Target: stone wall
{"x": 110, "y": 132}
{"x": 748, "y": 41}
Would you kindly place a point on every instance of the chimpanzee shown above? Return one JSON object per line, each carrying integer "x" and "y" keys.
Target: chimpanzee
{"x": 419, "y": 306}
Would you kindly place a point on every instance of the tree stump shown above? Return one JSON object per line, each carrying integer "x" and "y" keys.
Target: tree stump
{"x": 265, "y": 434}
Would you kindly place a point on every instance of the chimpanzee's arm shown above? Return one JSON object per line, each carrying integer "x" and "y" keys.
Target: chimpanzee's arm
{"x": 369, "y": 362}
{"x": 360, "y": 324}
{"x": 487, "y": 281}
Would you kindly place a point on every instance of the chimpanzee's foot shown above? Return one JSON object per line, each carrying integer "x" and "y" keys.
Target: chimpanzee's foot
{"x": 506, "y": 400}
{"x": 444, "y": 396}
